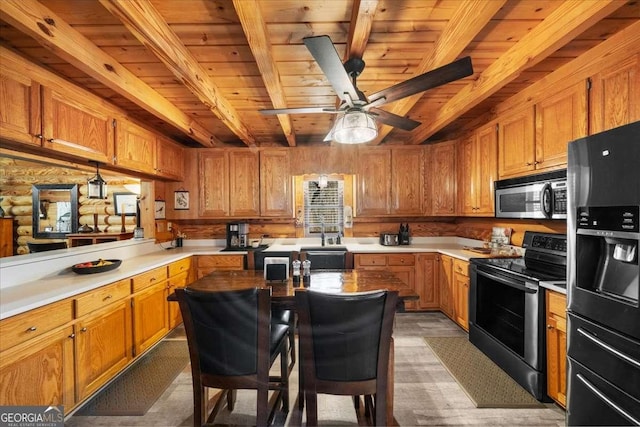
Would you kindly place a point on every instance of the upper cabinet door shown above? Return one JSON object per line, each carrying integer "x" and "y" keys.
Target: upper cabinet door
{"x": 135, "y": 147}
{"x": 169, "y": 159}
{"x": 20, "y": 109}
{"x": 275, "y": 183}
{"x": 467, "y": 175}
{"x": 73, "y": 125}
{"x": 442, "y": 171}
{"x": 486, "y": 164}
{"x": 560, "y": 118}
{"x": 213, "y": 178}
{"x": 407, "y": 169}
{"x": 244, "y": 183}
{"x": 516, "y": 139}
{"x": 373, "y": 188}
{"x": 615, "y": 92}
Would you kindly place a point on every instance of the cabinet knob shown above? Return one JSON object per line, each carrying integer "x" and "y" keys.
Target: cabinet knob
{"x": 107, "y": 297}
{"x": 83, "y": 329}
{"x": 72, "y": 336}
{"x": 549, "y": 326}
{"x": 31, "y": 329}
{"x": 528, "y": 163}
{"x": 536, "y": 163}
{"x": 39, "y": 136}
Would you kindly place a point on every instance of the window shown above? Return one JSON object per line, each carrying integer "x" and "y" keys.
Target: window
{"x": 323, "y": 205}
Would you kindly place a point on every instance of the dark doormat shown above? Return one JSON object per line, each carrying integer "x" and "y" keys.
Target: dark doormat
{"x": 483, "y": 381}
{"x": 138, "y": 388}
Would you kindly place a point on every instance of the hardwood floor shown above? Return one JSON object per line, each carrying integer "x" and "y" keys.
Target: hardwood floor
{"x": 425, "y": 393}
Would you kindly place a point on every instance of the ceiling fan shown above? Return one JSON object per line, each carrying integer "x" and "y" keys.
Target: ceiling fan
{"x": 359, "y": 112}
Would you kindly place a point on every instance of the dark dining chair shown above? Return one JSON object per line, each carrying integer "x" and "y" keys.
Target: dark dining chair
{"x": 345, "y": 340}
{"x": 42, "y": 247}
{"x": 232, "y": 345}
{"x": 280, "y": 315}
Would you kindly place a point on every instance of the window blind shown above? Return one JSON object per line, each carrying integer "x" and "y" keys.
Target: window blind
{"x": 323, "y": 205}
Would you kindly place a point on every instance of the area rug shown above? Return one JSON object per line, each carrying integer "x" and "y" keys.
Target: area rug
{"x": 137, "y": 389}
{"x": 482, "y": 380}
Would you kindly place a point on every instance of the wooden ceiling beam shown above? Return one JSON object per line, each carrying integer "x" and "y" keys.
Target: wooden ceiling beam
{"x": 467, "y": 21}
{"x": 362, "y": 15}
{"x": 48, "y": 29}
{"x": 144, "y": 21}
{"x": 255, "y": 29}
{"x": 571, "y": 18}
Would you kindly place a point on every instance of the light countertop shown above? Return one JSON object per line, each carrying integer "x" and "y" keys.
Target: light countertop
{"x": 58, "y": 281}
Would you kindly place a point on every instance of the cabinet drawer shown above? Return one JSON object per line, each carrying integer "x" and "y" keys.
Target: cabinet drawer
{"x": 149, "y": 278}
{"x": 223, "y": 262}
{"x": 371, "y": 260}
{"x": 557, "y": 304}
{"x": 101, "y": 297}
{"x": 179, "y": 266}
{"x": 179, "y": 281}
{"x": 22, "y": 327}
{"x": 401, "y": 259}
{"x": 461, "y": 267}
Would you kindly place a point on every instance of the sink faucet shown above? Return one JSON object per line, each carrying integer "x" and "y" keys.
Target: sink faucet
{"x": 322, "y": 229}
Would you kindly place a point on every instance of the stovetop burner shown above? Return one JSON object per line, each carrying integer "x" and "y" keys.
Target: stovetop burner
{"x": 545, "y": 258}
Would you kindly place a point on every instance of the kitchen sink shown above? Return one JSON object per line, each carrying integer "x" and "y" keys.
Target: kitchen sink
{"x": 327, "y": 257}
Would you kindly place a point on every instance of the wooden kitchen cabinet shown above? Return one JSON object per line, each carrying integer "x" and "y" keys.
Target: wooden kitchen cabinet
{"x": 614, "y": 95}
{"x": 103, "y": 346}
{"x": 373, "y": 186}
{"x": 516, "y": 143}
{"x": 179, "y": 277}
{"x": 402, "y": 265}
{"x": 275, "y": 184}
{"x": 445, "y": 281}
{"x": 556, "y": 304}
{"x": 229, "y": 183}
{"x": 441, "y": 179}
{"x": 426, "y": 281}
{"x": 135, "y": 147}
{"x": 169, "y": 159}
{"x": 560, "y": 118}
{"x": 73, "y": 124}
{"x": 21, "y": 118}
{"x": 461, "y": 293}
{"x": 407, "y": 177}
{"x": 150, "y": 317}
{"x": 6, "y": 237}
{"x": 40, "y": 371}
{"x": 477, "y": 170}
{"x": 205, "y": 264}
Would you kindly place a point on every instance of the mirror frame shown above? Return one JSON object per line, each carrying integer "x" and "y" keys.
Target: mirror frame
{"x": 35, "y": 205}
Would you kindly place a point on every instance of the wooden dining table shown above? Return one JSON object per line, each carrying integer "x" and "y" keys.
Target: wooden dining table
{"x": 333, "y": 281}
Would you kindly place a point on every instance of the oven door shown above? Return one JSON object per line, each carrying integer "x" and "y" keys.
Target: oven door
{"x": 509, "y": 309}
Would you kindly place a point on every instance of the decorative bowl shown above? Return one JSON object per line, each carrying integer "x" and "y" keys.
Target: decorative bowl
{"x": 99, "y": 266}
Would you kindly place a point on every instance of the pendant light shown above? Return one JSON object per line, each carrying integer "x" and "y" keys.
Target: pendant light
{"x": 355, "y": 126}
{"x": 97, "y": 187}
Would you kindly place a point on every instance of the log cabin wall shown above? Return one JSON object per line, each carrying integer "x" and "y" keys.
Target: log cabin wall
{"x": 17, "y": 178}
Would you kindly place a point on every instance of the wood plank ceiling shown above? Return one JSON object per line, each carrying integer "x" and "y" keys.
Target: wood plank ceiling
{"x": 203, "y": 69}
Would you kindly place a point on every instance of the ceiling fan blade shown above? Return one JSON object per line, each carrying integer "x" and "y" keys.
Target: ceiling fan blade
{"x": 394, "y": 120}
{"x": 301, "y": 110}
{"x": 327, "y": 58}
{"x": 434, "y": 78}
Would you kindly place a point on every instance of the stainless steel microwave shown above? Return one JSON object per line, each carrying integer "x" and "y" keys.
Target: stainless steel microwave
{"x": 542, "y": 196}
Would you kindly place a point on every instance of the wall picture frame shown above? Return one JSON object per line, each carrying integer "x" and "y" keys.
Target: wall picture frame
{"x": 181, "y": 200}
{"x": 159, "y": 209}
{"x": 125, "y": 203}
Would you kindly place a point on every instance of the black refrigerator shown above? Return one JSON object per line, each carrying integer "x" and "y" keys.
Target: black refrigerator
{"x": 603, "y": 312}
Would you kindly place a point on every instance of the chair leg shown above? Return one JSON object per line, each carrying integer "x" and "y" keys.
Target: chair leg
{"x": 231, "y": 399}
{"x": 284, "y": 372}
{"x": 199, "y": 406}
{"x": 312, "y": 408}
{"x": 292, "y": 340}
{"x": 370, "y": 409}
{"x": 262, "y": 407}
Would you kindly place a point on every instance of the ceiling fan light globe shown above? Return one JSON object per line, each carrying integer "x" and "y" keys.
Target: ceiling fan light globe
{"x": 355, "y": 127}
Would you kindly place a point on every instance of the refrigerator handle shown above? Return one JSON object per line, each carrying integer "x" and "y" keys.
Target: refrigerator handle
{"x": 609, "y": 348}
{"x": 607, "y": 400}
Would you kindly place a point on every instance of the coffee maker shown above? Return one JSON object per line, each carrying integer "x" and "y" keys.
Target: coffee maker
{"x": 237, "y": 235}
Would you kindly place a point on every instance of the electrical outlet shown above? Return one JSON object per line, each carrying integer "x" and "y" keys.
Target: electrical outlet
{"x": 169, "y": 226}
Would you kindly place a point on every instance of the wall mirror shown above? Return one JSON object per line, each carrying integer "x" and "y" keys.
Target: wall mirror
{"x": 55, "y": 210}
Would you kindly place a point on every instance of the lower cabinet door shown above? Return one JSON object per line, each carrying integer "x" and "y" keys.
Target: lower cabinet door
{"x": 149, "y": 317}
{"x": 40, "y": 372}
{"x": 103, "y": 347}
{"x": 461, "y": 301}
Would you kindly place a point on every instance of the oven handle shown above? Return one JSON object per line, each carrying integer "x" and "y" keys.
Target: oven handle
{"x": 609, "y": 348}
{"x": 608, "y": 401}
{"x": 514, "y": 283}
